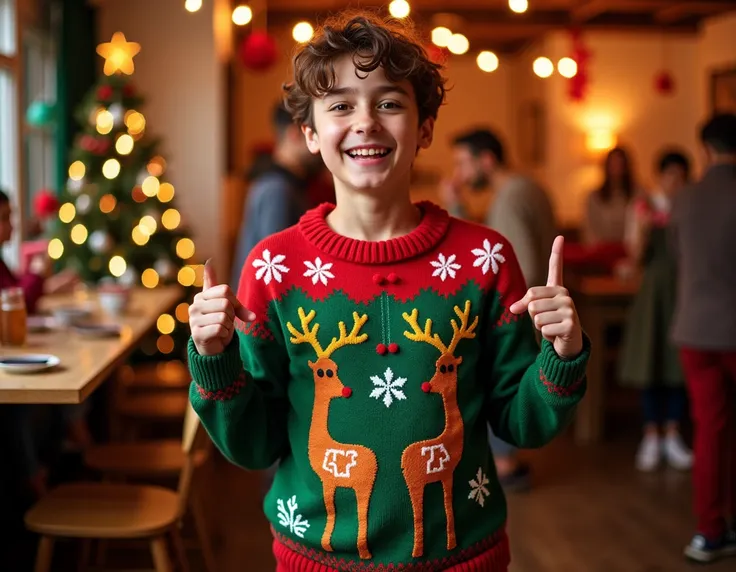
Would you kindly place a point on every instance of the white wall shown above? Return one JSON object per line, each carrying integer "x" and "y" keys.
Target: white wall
{"x": 178, "y": 73}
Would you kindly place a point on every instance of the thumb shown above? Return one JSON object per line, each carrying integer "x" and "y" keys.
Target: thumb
{"x": 209, "y": 279}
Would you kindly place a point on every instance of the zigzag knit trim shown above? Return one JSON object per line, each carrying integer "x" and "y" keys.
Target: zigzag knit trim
{"x": 552, "y": 387}
{"x": 224, "y": 394}
{"x": 489, "y": 555}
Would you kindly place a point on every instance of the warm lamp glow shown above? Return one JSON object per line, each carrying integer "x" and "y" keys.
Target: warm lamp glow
{"x": 192, "y": 5}
{"x": 441, "y": 36}
{"x": 156, "y": 166}
{"x": 458, "y": 44}
{"x": 108, "y": 203}
{"x": 148, "y": 225}
{"x": 171, "y": 219}
{"x": 166, "y": 192}
{"x": 302, "y": 32}
{"x": 186, "y": 276}
{"x": 519, "y": 6}
{"x": 139, "y": 236}
{"x": 182, "y": 312}
{"x": 399, "y": 8}
{"x": 185, "y": 248}
{"x": 150, "y": 186}
{"x": 165, "y": 323}
{"x": 543, "y": 67}
{"x": 487, "y": 61}
{"x": 135, "y": 122}
{"x": 600, "y": 140}
{"x": 242, "y": 15}
{"x": 567, "y": 67}
{"x": 165, "y": 344}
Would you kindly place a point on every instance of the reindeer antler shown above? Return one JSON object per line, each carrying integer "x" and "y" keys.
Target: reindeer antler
{"x": 464, "y": 331}
{"x": 306, "y": 335}
{"x": 345, "y": 338}
{"x": 422, "y": 336}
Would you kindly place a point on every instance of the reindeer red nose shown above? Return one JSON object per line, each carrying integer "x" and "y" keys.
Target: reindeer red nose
{"x": 426, "y": 387}
{"x": 346, "y": 392}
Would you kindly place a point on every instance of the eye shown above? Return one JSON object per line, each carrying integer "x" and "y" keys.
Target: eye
{"x": 389, "y": 105}
{"x": 450, "y": 368}
{"x": 443, "y": 369}
{"x": 320, "y": 373}
{"x": 339, "y": 107}
{"x": 330, "y": 373}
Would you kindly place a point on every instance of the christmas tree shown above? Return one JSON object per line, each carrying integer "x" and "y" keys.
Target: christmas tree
{"x": 117, "y": 222}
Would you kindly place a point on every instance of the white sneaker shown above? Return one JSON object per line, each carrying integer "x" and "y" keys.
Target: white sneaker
{"x": 649, "y": 454}
{"x": 677, "y": 454}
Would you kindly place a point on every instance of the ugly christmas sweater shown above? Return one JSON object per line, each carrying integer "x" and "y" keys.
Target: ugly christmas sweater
{"x": 370, "y": 374}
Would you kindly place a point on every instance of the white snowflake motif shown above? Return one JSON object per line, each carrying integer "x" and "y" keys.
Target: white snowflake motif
{"x": 489, "y": 257}
{"x": 270, "y": 268}
{"x": 388, "y": 387}
{"x": 318, "y": 271}
{"x": 445, "y": 266}
{"x": 478, "y": 490}
{"x": 290, "y": 519}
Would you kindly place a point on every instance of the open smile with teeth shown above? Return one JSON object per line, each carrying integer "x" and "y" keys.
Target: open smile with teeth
{"x": 370, "y": 153}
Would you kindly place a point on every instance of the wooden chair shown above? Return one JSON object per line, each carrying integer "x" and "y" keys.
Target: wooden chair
{"x": 159, "y": 376}
{"x": 119, "y": 511}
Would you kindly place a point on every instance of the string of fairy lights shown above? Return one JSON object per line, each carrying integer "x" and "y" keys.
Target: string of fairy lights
{"x": 442, "y": 36}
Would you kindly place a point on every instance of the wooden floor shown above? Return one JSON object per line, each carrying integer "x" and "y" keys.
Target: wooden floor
{"x": 589, "y": 511}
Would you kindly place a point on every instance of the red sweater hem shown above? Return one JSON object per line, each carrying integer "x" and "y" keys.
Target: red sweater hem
{"x": 489, "y": 555}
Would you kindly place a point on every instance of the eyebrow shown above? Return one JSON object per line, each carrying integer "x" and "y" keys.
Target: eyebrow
{"x": 380, "y": 90}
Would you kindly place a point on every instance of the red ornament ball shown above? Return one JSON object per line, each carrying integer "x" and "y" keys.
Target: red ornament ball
{"x": 258, "y": 52}
{"x": 104, "y": 92}
{"x": 45, "y": 204}
{"x": 664, "y": 83}
{"x": 438, "y": 55}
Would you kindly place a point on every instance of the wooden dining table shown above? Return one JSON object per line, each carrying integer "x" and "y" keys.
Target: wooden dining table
{"x": 602, "y": 302}
{"x": 85, "y": 361}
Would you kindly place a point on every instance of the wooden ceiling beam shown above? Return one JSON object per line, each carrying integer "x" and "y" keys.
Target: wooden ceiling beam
{"x": 680, "y": 10}
{"x": 589, "y": 10}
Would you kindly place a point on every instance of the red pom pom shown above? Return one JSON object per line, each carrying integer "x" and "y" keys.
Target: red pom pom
{"x": 393, "y": 348}
{"x": 664, "y": 83}
{"x": 392, "y": 278}
{"x": 346, "y": 392}
{"x": 426, "y": 387}
{"x": 258, "y": 52}
{"x": 45, "y": 204}
{"x": 381, "y": 349}
{"x": 104, "y": 92}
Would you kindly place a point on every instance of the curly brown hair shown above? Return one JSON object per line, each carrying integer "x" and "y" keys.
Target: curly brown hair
{"x": 372, "y": 42}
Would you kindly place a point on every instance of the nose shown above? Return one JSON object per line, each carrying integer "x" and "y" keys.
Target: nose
{"x": 366, "y": 122}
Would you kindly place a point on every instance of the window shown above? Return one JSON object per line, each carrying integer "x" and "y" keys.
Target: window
{"x": 9, "y": 124}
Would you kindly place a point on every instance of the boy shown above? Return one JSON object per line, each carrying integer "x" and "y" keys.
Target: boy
{"x": 379, "y": 336}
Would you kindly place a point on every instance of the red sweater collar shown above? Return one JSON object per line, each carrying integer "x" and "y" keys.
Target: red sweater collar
{"x": 424, "y": 237}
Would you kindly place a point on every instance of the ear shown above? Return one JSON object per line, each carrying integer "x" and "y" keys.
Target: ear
{"x": 426, "y": 133}
{"x": 312, "y": 139}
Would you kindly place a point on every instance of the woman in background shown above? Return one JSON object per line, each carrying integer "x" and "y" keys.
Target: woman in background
{"x": 648, "y": 360}
{"x": 605, "y": 215}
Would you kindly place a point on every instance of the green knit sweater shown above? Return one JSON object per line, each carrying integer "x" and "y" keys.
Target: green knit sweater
{"x": 370, "y": 374}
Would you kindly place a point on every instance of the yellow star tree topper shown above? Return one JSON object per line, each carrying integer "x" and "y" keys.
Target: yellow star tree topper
{"x": 118, "y": 54}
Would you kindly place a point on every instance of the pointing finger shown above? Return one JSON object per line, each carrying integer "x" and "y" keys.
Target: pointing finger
{"x": 554, "y": 278}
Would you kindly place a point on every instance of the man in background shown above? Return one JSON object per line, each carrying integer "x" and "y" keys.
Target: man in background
{"x": 704, "y": 329}
{"x": 521, "y": 212}
{"x": 278, "y": 195}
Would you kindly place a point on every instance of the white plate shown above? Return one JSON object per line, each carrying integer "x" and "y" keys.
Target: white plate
{"x": 28, "y": 363}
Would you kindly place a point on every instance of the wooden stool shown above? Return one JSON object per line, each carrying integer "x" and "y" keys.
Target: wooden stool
{"x": 118, "y": 511}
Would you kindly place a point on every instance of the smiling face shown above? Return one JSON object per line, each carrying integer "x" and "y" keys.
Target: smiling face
{"x": 367, "y": 131}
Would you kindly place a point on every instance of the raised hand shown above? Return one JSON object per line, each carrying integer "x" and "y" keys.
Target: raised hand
{"x": 212, "y": 315}
{"x": 552, "y": 310}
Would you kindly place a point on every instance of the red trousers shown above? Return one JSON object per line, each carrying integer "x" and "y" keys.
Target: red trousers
{"x": 711, "y": 381}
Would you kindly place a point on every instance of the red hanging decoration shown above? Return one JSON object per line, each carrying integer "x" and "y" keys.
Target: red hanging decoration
{"x": 104, "y": 93}
{"x": 578, "y": 86}
{"x": 45, "y": 204}
{"x": 128, "y": 90}
{"x": 664, "y": 83}
{"x": 258, "y": 51}
{"x": 438, "y": 55}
